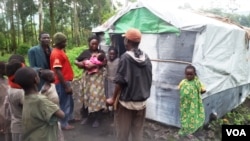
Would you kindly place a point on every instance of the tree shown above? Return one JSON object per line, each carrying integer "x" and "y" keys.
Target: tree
{"x": 52, "y": 17}
{"x": 25, "y": 9}
{"x": 76, "y": 24}
{"x": 10, "y": 9}
{"x": 75, "y": 18}
{"x": 41, "y": 16}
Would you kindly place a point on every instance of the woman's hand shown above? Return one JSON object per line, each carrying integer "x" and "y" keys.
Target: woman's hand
{"x": 110, "y": 101}
{"x": 79, "y": 64}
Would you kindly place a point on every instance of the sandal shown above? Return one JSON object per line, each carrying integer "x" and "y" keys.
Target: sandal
{"x": 74, "y": 120}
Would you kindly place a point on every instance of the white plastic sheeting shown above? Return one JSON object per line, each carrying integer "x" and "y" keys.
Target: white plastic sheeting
{"x": 220, "y": 54}
{"x": 221, "y": 58}
{"x": 218, "y": 51}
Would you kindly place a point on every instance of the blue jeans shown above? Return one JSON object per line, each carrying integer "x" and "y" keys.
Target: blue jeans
{"x": 66, "y": 103}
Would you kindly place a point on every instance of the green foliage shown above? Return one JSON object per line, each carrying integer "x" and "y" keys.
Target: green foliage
{"x": 5, "y": 57}
{"x": 23, "y": 49}
{"x": 2, "y": 43}
{"x": 72, "y": 55}
{"x": 238, "y": 116}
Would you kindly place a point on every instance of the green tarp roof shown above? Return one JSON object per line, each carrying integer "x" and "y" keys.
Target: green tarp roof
{"x": 144, "y": 20}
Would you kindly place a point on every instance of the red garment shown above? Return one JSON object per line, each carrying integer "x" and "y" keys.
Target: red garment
{"x": 11, "y": 81}
{"x": 58, "y": 59}
{"x": 12, "y": 84}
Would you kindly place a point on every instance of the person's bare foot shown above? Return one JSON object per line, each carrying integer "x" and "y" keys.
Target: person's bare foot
{"x": 68, "y": 127}
{"x": 96, "y": 124}
{"x": 84, "y": 121}
{"x": 190, "y": 136}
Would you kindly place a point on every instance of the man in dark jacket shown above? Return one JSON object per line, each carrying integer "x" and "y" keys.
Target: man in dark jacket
{"x": 133, "y": 82}
{"x": 39, "y": 56}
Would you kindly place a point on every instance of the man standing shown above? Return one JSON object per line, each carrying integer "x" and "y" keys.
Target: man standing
{"x": 60, "y": 64}
{"x": 133, "y": 82}
{"x": 39, "y": 56}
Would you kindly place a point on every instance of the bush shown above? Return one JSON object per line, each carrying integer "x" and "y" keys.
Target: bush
{"x": 72, "y": 54}
{"x": 23, "y": 49}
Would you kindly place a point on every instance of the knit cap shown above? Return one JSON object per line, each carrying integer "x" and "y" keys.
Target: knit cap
{"x": 59, "y": 37}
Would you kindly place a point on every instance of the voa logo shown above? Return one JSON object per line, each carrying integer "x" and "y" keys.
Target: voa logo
{"x": 236, "y": 132}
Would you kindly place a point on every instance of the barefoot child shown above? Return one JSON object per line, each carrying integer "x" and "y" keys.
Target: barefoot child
{"x": 15, "y": 99}
{"x": 39, "y": 113}
{"x": 49, "y": 89}
{"x": 112, "y": 66}
{"x": 3, "y": 94}
{"x": 191, "y": 106}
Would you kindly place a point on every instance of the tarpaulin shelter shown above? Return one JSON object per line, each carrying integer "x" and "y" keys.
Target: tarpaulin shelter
{"x": 174, "y": 38}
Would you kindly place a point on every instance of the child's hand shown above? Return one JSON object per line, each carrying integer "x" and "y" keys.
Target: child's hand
{"x": 203, "y": 91}
{"x": 110, "y": 101}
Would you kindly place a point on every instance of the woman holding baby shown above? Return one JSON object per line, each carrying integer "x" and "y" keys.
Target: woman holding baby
{"x": 93, "y": 97}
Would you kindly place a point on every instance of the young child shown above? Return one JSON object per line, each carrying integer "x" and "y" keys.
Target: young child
{"x": 96, "y": 60}
{"x": 39, "y": 117}
{"x": 15, "y": 60}
{"x": 191, "y": 107}
{"x": 49, "y": 89}
{"x": 15, "y": 99}
{"x": 17, "y": 57}
{"x": 112, "y": 66}
{"x": 3, "y": 94}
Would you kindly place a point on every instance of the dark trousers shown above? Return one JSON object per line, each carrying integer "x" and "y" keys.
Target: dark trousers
{"x": 129, "y": 121}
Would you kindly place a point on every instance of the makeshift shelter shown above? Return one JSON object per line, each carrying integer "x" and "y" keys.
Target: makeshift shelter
{"x": 174, "y": 38}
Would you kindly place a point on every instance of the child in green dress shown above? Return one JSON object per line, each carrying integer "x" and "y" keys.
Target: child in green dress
{"x": 191, "y": 107}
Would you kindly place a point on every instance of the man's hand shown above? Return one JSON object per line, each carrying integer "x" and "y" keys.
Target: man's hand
{"x": 68, "y": 90}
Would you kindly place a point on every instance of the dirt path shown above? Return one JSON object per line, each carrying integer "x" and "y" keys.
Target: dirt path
{"x": 105, "y": 132}
{"x": 88, "y": 133}
{"x": 153, "y": 131}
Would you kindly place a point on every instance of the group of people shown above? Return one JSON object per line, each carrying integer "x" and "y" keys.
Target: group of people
{"x": 39, "y": 98}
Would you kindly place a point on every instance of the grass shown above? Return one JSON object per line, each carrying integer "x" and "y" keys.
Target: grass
{"x": 71, "y": 53}
{"x": 4, "y": 57}
{"x": 238, "y": 116}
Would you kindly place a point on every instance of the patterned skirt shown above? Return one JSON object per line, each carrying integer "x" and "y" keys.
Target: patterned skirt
{"x": 93, "y": 95}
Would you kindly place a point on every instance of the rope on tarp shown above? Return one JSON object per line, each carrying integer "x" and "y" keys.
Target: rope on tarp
{"x": 171, "y": 61}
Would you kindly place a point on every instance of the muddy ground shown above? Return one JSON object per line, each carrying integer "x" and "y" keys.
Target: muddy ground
{"x": 153, "y": 131}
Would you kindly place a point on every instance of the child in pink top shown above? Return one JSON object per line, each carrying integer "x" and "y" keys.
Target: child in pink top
{"x": 96, "y": 60}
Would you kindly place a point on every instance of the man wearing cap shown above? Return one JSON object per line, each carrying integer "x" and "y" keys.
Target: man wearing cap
{"x": 133, "y": 82}
{"x": 60, "y": 64}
